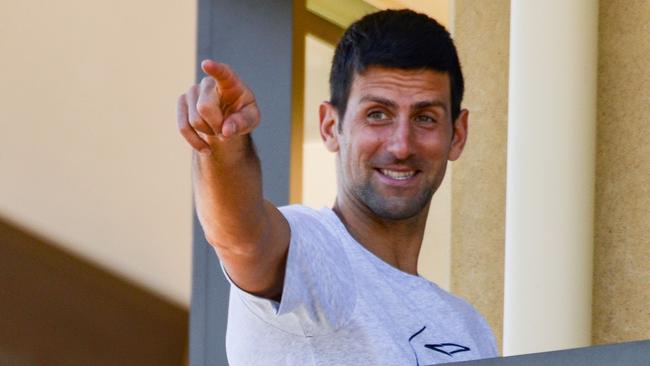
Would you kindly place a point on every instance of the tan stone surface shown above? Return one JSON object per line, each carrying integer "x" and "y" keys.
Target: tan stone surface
{"x": 479, "y": 179}
{"x": 621, "y": 309}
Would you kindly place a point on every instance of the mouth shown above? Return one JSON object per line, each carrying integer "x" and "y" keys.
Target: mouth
{"x": 398, "y": 174}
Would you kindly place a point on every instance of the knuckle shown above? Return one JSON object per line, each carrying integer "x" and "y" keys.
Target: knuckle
{"x": 192, "y": 140}
{"x": 206, "y": 81}
{"x": 185, "y": 128}
{"x": 196, "y": 122}
{"x": 203, "y": 108}
{"x": 255, "y": 124}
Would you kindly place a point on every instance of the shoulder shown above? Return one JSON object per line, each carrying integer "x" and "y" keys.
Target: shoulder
{"x": 300, "y": 212}
{"x": 314, "y": 236}
{"x": 319, "y": 284}
{"x": 462, "y": 308}
{"x": 470, "y": 319}
{"x": 307, "y": 223}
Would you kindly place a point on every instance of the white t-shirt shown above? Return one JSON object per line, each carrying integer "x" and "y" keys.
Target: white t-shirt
{"x": 342, "y": 305}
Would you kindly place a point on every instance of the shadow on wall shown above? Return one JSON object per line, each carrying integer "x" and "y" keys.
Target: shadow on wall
{"x": 56, "y": 309}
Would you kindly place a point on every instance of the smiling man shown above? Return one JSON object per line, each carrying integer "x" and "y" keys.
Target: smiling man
{"x": 340, "y": 286}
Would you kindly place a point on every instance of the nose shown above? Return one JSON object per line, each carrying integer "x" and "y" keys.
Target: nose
{"x": 400, "y": 142}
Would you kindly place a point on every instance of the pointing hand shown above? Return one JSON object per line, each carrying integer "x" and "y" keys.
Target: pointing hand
{"x": 218, "y": 108}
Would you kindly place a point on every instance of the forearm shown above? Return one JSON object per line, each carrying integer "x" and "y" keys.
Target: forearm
{"x": 249, "y": 234}
{"x": 228, "y": 193}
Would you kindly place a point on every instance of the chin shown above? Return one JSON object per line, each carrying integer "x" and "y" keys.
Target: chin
{"x": 401, "y": 210}
{"x": 394, "y": 215}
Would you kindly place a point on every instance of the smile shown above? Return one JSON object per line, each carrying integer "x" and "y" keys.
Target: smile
{"x": 397, "y": 175}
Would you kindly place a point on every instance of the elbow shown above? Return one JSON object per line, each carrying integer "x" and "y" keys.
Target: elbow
{"x": 236, "y": 245}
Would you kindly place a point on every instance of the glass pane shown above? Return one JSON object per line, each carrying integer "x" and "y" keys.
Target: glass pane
{"x": 318, "y": 173}
{"x": 341, "y": 13}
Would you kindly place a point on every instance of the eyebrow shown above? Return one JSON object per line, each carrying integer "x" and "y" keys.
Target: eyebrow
{"x": 419, "y": 105}
{"x": 428, "y": 104}
{"x": 383, "y": 101}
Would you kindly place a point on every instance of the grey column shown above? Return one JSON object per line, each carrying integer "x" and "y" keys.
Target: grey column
{"x": 255, "y": 38}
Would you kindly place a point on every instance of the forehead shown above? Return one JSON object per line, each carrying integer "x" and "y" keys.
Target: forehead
{"x": 401, "y": 84}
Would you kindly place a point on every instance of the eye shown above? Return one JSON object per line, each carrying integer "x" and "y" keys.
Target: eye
{"x": 425, "y": 119}
{"x": 377, "y": 115}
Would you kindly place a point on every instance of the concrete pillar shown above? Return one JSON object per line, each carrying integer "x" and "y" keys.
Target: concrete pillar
{"x": 550, "y": 178}
{"x": 479, "y": 181}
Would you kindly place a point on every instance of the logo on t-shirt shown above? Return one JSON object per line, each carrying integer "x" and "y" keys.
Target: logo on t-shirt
{"x": 426, "y": 353}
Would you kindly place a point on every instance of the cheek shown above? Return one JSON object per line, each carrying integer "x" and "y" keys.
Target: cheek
{"x": 439, "y": 150}
{"x": 435, "y": 144}
{"x": 370, "y": 140}
{"x": 355, "y": 162}
{"x": 347, "y": 159}
{"x": 433, "y": 157}
{"x": 366, "y": 151}
{"x": 361, "y": 147}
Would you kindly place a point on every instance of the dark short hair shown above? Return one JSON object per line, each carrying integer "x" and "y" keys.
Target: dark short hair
{"x": 400, "y": 39}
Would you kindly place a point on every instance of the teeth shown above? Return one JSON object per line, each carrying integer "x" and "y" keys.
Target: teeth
{"x": 397, "y": 175}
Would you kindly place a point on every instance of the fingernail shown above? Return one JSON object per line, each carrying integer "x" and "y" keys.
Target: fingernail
{"x": 230, "y": 129}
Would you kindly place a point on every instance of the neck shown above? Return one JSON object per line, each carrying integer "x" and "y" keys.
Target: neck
{"x": 397, "y": 242}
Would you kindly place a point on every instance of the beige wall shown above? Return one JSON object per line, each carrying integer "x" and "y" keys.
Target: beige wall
{"x": 621, "y": 309}
{"x": 90, "y": 156}
{"x": 478, "y": 187}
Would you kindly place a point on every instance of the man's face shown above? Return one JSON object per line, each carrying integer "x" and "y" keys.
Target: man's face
{"x": 396, "y": 139}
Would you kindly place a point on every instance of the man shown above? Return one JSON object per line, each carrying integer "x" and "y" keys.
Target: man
{"x": 340, "y": 286}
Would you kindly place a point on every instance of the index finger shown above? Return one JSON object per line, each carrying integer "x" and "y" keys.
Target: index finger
{"x": 221, "y": 73}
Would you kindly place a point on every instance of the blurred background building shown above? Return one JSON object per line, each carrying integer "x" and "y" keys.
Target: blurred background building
{"x": 95, "y": 195}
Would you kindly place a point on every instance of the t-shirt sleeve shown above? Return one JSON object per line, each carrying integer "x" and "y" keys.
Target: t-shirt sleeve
{"x": 319, "y": 292}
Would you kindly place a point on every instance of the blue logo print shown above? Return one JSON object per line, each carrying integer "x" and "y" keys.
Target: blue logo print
{"x": 423, "y": 353}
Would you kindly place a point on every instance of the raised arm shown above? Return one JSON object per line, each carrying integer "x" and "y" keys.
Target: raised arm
{"x": 249, "y": 234}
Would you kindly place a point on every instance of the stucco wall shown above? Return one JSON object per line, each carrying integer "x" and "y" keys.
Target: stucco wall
{"x": 479, "y": 180}
{"x": 622, "y": 218}
{"x": 621, "y": 310}
{"x": 90, "y": 155}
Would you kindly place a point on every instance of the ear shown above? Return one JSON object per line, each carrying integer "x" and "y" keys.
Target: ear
{"x": 460, "y": 135}
{"x": 329, "y": 126}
